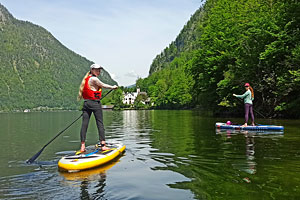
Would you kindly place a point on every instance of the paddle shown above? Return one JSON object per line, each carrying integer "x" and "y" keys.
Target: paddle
{"x": 33, "y": 158}
{"x": 38, "y": 153}
{"x": 106, "y": 94}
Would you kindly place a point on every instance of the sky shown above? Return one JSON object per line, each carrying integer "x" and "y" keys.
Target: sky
{"x": 123, "y": 36}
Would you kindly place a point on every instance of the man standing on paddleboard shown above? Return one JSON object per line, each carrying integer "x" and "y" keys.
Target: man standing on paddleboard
{"x": 248, "y": 97}
{"x": 90, "y": 90}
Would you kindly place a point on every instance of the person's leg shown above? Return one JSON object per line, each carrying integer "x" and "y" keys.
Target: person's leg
{"x": 246, "y": 113}
{"x": 85, "y": 122}
{"x": 252, "y": 114}
{"x": 99, "y": 121}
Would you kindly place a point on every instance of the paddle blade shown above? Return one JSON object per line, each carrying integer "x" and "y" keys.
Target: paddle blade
{"x": 31, "y": 160}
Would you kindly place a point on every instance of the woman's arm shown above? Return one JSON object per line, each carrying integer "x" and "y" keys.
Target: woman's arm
{"x": 243, "y": 95}
{"x": 96, "y": 81}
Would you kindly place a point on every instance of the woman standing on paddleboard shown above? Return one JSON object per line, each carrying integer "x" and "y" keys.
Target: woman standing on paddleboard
{"x": 248, "y": 97}
{"x": 90, "y": 90}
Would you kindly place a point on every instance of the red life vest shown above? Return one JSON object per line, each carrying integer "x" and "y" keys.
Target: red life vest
{"x": 87, "y": 93}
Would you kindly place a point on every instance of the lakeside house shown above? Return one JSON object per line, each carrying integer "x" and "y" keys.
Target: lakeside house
{"x": 130, "y": 97}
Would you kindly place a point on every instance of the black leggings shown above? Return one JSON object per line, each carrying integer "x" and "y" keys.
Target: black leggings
{"x": 249, "y": 108}
{"x": 90, "y": 107}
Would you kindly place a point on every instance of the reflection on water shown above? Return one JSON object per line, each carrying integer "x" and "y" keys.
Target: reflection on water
{"x": 249, "y": 165}
{"x": 169, "y": 155}
{"x": 88, "y": 177}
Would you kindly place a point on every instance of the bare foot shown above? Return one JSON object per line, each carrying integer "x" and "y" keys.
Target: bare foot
{"x": 82, "y": 149}
{"x": 245, "y": 125}
{"x": 105, "y": 148}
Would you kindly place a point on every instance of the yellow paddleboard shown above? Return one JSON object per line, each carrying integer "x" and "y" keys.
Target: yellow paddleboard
{"x": 92, "y": 158}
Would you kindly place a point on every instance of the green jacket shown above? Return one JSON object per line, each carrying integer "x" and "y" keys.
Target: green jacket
{"x": 247, "y": 97}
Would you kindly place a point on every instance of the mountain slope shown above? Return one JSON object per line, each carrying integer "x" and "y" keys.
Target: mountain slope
{"x": 36, "y": 69}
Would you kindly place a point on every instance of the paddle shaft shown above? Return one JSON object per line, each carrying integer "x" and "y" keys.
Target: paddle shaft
{"x": 33, "y": 158}
{"x": 106, "y": 94}
{"x": 38, "y": 153}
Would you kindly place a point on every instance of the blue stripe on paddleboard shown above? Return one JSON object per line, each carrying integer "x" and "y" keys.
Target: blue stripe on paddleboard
{"x": 91, "y": 153}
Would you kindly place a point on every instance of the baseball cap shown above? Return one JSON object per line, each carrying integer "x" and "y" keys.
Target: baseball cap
{"x": 247, "y": 84}
{"x": 95, "y": 66}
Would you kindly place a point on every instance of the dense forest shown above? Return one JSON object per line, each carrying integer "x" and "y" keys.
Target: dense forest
{"x": 225, "y": 44}
{"x": 36, "y": 70}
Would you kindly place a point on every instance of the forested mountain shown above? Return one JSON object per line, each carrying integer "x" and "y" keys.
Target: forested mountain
{"x": 36, "y": 70}
{"x": 225, "y": 44}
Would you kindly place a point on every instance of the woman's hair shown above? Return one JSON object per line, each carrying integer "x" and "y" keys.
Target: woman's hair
{"x": 252, "y": 92}
{"x": 79, "y": 97}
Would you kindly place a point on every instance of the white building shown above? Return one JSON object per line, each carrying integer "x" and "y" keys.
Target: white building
{"x": 129, "y": 98}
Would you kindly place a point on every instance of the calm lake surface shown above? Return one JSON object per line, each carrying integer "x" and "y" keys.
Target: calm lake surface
{"x": 169, "y": 155}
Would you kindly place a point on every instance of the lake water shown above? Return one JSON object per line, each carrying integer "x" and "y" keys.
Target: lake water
{"x": 169, "y": 155}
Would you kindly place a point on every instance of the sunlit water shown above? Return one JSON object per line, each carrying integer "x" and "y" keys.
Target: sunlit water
{"x": 169, "y": 155}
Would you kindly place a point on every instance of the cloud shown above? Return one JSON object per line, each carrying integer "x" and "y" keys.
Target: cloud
{"x": 132, "y": 74}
